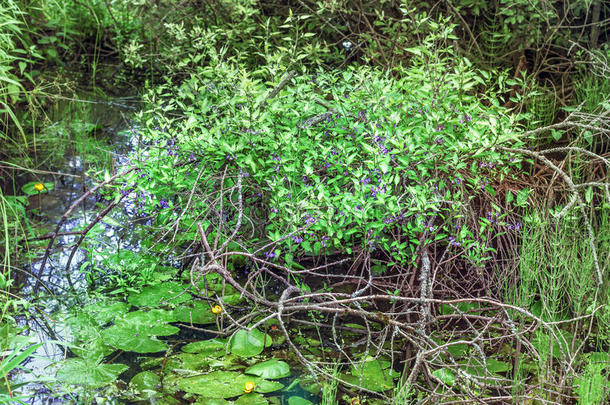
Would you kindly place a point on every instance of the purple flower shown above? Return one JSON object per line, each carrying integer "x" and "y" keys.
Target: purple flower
{"x": 297, "y": 239}
{"x": 309, "y": 219}
{"x": 163, "y": 203}
{"x": 270, "y": 254}
{"x": 454, "y": 242}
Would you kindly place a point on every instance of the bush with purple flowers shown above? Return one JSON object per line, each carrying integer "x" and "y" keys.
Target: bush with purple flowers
{"x": 389, "y": 161}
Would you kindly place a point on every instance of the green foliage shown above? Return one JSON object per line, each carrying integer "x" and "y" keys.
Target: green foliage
{"x": 30, "y": 188}
{"x": 246, "y": 343}
{"x": 15, "y": 351}
{"x": 372, "y": 374}
{"x": 221, "y": 384}
{"x": 270, "y": 369}
{"x": 357, "y": 160}
{"x": 334, "y": 183}
{"x": 137, "y": 331}
{"x": 92, "y": 374}
{"x": 160, "y": 294}
{"x": 593, "y": 383}
{"x": 15, "y": 59}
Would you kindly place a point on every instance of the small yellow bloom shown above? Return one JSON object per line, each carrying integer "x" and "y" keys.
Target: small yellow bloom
{"x": 39, "y": 186}
{"x": 216, "y": 309}
{"x": 249, "y": 387}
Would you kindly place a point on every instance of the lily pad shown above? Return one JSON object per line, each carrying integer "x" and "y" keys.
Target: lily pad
{"x": 146, "y": 384}
{"x": 35, "y": 187}
{"x": 270, "y": 369}
{"x": 211, "y": 401}
{"x": 199, "y": 313}
{"x": 160, "y": 294}
{"x": 294, "y": 400}
{"x": 128, "y": 339}
{"x": 136, "y": 332}
{"x": 83, "y": 327}
{"x": 94, "y": 375}
{"x": 93, "y": 350}
{"x": 104, "y": 312}
{"x": 251, "y": 399}
{"x": 232, "y": 299}
{"x": 248, "y": 343}
{"x": 220, "y": 384}
{"x": 205, "y": 346}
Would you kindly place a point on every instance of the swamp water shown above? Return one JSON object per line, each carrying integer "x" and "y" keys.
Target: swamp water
{"x": 106, "y": 335}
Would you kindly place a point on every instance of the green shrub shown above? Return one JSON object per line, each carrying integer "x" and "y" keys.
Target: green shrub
{"x": 336, "y": 163}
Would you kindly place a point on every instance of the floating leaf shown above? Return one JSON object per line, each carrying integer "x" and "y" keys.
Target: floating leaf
{"x": 270, "y": 369}
{"x": 83, "y": 327}
{"x": 198, "y": 312}
{"x": 128, "y": 339}
{"x": 35, "y": 187}
{"x": 220, "y": 384}
{"x": 94, "y": 375}
{"x": 248, "y": 343}
{"x": 211, "y": 401}
{"x": 104, "y": 312}
{"x": 136, "y": 331}
{"x": 298, "y": 401}
{"x": 160, "y": 294}
{"x": 205, "y": 346}
{"x": 251, "y": 399}
{"x": 94, "y": 350}
{"x": 146, "y": 384}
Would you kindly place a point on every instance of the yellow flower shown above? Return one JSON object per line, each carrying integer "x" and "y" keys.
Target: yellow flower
{"x": 39, "y": 186}
{"x": 249, "y": 387}
{"x": 216, "y": 309}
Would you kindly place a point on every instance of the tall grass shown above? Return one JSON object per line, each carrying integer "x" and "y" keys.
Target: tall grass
{"x": 557, "y": 282}
{"x": 329, "y": 393}
{"x": 13, "y": 63}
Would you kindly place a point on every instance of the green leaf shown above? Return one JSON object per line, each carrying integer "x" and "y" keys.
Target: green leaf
{"x": 444, "y": 375}
{"x": 375, "y": 376}
{"x": 298, "y": 401}
{"x": 198, "y": 312}
{"x": 146, "y": 384}
{"x": 589, "y": 195}
{"x": 270, "y": 369}
{"x": 81, "y": 372}
{"x": 30, "y": 188}
{"x": 212, "y": 401}
{"x": 104, "y": 312}
{"x": 248, "y": 343}
{"x": 522, "y": 197}
{"x": 136, "y": 331}
{"x": 159, "y": 295}
{"x": 205, "y": 346}
{"x": 251, "y": 399}
{"x": 220, "y": 384}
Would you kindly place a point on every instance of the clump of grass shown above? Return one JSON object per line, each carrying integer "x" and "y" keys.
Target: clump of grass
{"x": 557, "y": 282}
{"x": 329, "y": 394}
{"x": 402, "y": 394}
